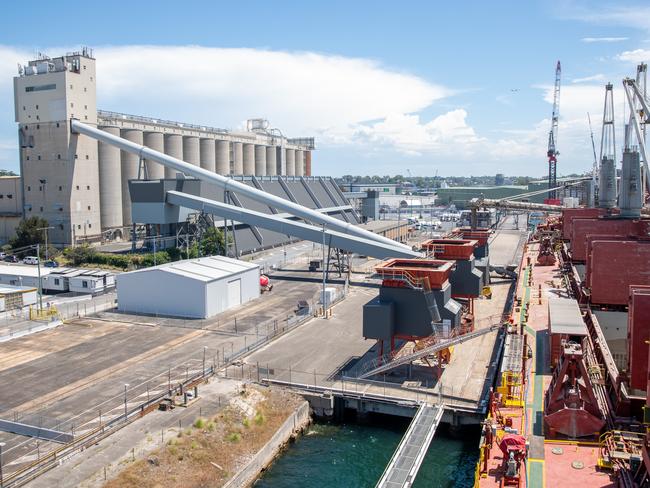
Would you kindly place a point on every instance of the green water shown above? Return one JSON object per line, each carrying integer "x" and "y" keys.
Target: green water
{"x": 351, "y": 455}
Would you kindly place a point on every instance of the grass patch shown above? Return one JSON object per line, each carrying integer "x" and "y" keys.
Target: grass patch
{"x": 233, "y": 437}
{"x": 246, "y": 423}
{"x": 199, "y": 423}
{"x": 259, "y": 418}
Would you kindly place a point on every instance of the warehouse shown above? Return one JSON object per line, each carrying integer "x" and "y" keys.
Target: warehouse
{"x": 196, "y": 288}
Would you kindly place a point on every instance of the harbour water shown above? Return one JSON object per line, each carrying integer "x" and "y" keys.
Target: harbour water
{"x": 353, "y": 455}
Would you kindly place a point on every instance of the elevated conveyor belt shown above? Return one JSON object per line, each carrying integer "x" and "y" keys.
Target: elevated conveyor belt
{"x": 281, "y": 225}
{"x": 383, "y": 364}
{"x": 403, "y": 467}
{"x": 229, "y": 184}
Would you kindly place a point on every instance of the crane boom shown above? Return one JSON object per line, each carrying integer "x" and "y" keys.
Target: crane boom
{"x": 552, "y": 152}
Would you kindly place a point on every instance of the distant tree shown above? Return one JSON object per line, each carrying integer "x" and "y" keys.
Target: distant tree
{"x": 29, "y": 232}
{"x": 7, "y": 172}
{"x": 213, "y": 242}
{"x": 80, "y": 254}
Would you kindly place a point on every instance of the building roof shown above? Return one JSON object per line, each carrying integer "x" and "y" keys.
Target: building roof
{"x": 565, "y": 317}
{"x": 203, "y": 269}
{"x": 25, "y": 270}
{"x": 8, "y": 289}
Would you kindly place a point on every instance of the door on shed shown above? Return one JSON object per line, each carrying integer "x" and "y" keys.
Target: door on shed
{"x": 234, "y": 293}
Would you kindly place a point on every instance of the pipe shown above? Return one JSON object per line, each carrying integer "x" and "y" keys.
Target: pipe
{"x": 229, "y": 184}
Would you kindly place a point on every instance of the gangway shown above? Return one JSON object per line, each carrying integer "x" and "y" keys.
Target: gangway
{"x": 403, "y": 467}
{"x": 383, "y": 364}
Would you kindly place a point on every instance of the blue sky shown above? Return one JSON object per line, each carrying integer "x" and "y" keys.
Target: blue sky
{"x": 456, "y": 88}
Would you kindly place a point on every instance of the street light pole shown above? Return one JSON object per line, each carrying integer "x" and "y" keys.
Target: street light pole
{"x": 324, "y": 265}
{"x": 204, "y": 349}
{"x": 40, "y": 285}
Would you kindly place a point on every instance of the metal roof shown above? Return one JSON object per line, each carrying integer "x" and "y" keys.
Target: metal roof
{"x": 9, "y": 289}
{"x": 23, "y": 270}
{"x": 203, "y": 269}
{"x": 565, "y": 317}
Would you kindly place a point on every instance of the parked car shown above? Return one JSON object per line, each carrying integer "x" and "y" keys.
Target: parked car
{"x": 51, "y": 264}
{"x": 10, "y": 259}
{"x": 30, "y": 260}
{"x": 3, "y": 255}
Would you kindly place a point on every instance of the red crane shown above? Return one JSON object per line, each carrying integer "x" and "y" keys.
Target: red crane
{"x": 552, "y": 152}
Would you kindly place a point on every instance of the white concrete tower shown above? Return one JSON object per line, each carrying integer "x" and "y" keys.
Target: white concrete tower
{"x": 60, "y": 172}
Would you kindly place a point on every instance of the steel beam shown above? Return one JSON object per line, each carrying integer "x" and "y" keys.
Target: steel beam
{"x": 300, "y": 230}
{"x": 228, "y": 184}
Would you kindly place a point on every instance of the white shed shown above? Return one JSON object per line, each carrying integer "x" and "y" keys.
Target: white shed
{"x": 195, "y": 288}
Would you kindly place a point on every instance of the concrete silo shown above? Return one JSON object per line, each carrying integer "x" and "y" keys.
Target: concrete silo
{"x": 307, "y": 163}
{"x": 191, "y": 152}
{"x": 281, "y": 160}
{"x": 173, "y": 148}
{"x": 300, "y": 163}
{"x": 271, "y": 164}
{"x": 249, "y": 159}
{"x": 206, "y": 150}
{"x": 222, "y": 157}
{"x": 110, "y": 182}
{"x": 260, "y": 160}
{"x": 156, "y": 141}
{"x": 291, "y": 162}
{"x": 129, "y": 163}
{"x": 238, "y": 158}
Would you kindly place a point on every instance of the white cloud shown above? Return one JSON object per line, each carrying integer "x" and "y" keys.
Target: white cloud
{"x": 635, "y": 56}
{"x": 603, "y": 39}
{"x": 299, "y": 92}
{"x": 598, "y": 77}
{"x": 637, "y": 16}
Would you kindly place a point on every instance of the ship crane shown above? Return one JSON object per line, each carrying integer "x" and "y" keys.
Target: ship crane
{"x": 552, "y": 152}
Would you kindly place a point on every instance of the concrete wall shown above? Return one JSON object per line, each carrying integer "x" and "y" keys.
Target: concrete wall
{"x": 265, "y": 456}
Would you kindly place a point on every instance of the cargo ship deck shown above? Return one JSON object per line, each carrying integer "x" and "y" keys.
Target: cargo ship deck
{"x": 549, "y": 462}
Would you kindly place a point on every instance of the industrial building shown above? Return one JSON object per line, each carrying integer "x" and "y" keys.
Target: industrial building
{"x": 196, "y": 288}
{"x": 81, "y": 186}
{"x": 461, "y": 195}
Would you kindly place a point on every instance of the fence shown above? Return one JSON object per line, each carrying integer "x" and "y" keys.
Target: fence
{"x": 96, "y": 422}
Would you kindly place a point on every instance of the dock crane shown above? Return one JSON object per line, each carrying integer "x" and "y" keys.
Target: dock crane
{"x": 552, "y": 152}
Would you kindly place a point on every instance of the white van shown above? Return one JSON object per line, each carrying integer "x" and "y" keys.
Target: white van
{"x": 30, "y": 260}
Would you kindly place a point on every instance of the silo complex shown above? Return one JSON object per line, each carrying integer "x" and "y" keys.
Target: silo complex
{"x": 156, "y": 141}
{"x": 129, "y": 166}
{"x": 260, "y": 160}
{"x": 238, "y": 158}
{"x": 271, "y": 164}
{"x": 110, "y": 182}
{"x": 291, "y": 162}
{"x": 249, "y": 159}
{"x": 173, "y": 148}
{"x": 206, "y": 152}
{"x": 222, "y": 157}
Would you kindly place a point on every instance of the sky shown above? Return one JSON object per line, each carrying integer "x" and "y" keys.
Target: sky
{"x": 410, "y": 87}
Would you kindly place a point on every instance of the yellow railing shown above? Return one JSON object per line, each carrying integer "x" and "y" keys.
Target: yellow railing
{"x": 48, "y": 313}
{"x": 511, "y": 389}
